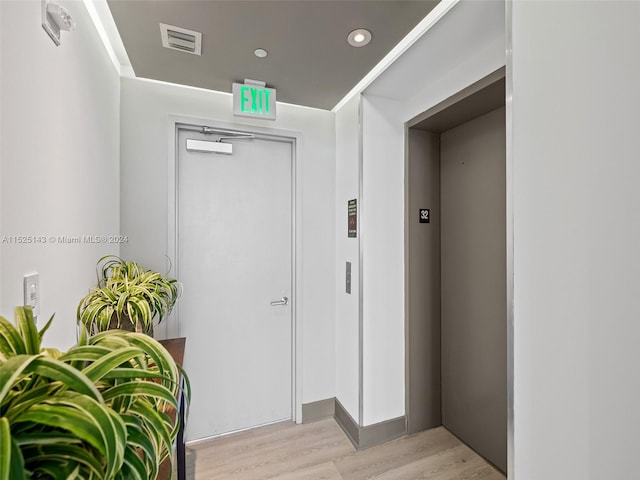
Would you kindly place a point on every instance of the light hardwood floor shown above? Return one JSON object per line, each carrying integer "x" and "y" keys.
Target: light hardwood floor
{"x": 321, "y": 451}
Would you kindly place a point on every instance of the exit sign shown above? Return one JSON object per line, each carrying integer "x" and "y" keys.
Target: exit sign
{"x": 253, "y": 99}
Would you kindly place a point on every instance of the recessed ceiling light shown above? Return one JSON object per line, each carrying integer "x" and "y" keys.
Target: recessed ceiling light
{"x": 359, "y": 37}
{"x": 260, "y": 52}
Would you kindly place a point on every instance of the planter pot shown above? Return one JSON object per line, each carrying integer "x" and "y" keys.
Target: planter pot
{"x": 127, "y": 325}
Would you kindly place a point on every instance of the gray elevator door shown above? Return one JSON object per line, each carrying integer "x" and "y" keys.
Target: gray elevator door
{"x": 473, "y": 282}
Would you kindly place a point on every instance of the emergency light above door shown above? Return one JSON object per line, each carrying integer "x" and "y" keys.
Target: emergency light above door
{"x": 206, "y": 146}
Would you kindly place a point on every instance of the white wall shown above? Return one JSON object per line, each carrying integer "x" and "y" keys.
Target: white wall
{"x": 59, "y": 160}
{"x": 576, "y": 72}
{"x": 383, "y": 259}
{"x": 146, "y": 107}
{"x": 1, "y": 264}
{"x": 467, "y": 44}
{"x": 347, "y": 339}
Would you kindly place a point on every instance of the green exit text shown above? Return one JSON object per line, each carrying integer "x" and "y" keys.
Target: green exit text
{"x": 254, "y": 100}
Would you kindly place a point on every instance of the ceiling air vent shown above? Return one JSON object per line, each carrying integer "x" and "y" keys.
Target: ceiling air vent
{"x": 177, "y": 38}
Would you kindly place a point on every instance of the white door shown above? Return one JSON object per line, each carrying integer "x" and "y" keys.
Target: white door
{"x": 235, "y": 259}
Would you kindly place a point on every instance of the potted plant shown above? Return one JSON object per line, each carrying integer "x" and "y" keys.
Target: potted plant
{"x": 98, "y": 411}
{"x": 127, "y": 297}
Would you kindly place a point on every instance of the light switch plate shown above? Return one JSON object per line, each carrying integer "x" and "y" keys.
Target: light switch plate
{"x": 32, "y": 292}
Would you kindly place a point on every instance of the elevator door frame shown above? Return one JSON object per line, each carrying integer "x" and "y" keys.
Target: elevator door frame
{"x": 463, "y": 106}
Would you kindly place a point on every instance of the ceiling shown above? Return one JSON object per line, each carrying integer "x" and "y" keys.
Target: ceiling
{"x": 310, "y": 62}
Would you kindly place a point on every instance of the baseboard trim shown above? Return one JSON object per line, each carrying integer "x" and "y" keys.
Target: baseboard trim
{"x": 365, "y": 437}
{"x": 382, "y": 432}
{"x": 314, "y": 411}
{"x": 348, "y": 424}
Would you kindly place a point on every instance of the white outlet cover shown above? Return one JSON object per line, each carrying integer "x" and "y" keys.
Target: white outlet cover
{"x": 31, "y": 289}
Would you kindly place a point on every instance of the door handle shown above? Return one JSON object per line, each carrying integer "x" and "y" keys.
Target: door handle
{"x": 283, "y": 301}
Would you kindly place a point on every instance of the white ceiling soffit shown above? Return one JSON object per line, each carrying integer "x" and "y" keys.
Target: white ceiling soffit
{"x": 457, "y": 57}
{"x": 103, "y": 20}
{"x": 418, "y": 31}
